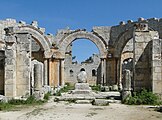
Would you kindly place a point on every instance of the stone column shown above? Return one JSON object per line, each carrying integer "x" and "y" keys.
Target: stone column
{"x": 118, "y": 68}
{"x": 102, "y": 71}
{"x": 45, "y": 72}
{"x": 38, "y": 76}
{"x": 126, "y": 84}
{"x": 10, "y": 66}
{"x": 62, "y": 73}
{"x": 105, "y": 72}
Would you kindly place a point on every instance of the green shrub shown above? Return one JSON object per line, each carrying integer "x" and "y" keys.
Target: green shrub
{"x": 96, "y": 87}
{"x": 143, "y": 97}
{"x": 5, "y": 106}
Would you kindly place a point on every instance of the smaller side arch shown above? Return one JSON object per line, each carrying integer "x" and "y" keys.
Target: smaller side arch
{"x": 38, "y": 36}
{"x": 121, "y": 42}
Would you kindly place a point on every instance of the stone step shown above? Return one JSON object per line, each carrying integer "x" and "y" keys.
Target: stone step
{"x": 108, "y": 95}
{"x": 83, "y": 101}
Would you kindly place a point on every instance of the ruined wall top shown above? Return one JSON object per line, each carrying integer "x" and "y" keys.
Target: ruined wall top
{"x": 106, "y": 35}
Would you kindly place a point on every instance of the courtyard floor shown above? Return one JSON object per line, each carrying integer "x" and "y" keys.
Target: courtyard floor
{"x": 70, "y": 111}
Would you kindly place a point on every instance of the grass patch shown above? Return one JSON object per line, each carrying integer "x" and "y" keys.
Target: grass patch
{"x": 96, "y": 87}
{"x": 13, "y": 103}
{"x": 47, "y": 95}
{"x": 143, "y": 97}
{"x": 5, "y": 106}
{"x": 66, "y": 88}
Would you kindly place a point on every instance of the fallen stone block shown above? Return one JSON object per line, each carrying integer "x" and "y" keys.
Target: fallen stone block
{"x": 100, "y": 102}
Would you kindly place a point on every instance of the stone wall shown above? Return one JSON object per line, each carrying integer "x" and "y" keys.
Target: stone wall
{"x": 73, "y": 69}
{"x": 142, "y": 53}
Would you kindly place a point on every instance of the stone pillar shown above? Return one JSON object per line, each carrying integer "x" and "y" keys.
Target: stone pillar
{"x": 62, "y": 72}
{"x": 38, "y": 79}
{"x": 118, "y": 69}
{"x": 102, "y": 71}
{"x": 156, "y": 66}
{"x": 126, "y": 83}
{"x": 23, "y": 64}
{"x": 105, "y": 72}
{"x": 45, "y": 72}
{"x": 10, "y": 66}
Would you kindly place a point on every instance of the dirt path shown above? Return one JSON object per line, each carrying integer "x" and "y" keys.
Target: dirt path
{"x": 66, "y": 111}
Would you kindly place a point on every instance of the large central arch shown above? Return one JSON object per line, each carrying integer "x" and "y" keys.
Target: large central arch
{"x": 85, "y": 35}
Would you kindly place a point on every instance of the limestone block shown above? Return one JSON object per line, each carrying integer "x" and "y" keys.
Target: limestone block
{"x": 9, "y": 81}
{"x": 83, "y": 101}
{"x": 10, "y": 39}
{"x": 10, "y": 61}
{"x": 157, "y": 69}
{"x": 156, "y": 63}
{"x": 9, "y": 74}
{"x": 115, "y": 88}
{"x": 125, "y": 94}
{"x": 3, "y": 99}
{"x": 100, "y": 102}
{"x": 157, "y": 86}
{"x": 25, "y": 47}
{"x": 46, "y": 89}
{"x": 9, "y": 53}
{"x": 10, "y": 90}
{"x": 156, "y": 76}
{"x": 156, "y": 57}
{"x": 82, "y": 86}
{"x": 39, "y": 95}
{"x": 22, "y": 89}
{"x": 35, "y": 24}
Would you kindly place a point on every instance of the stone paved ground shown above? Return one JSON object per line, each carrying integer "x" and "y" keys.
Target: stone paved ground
{"x": 66, "y": 111}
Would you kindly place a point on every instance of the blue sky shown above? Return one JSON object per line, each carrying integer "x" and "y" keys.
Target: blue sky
{"x": 58, "y": 14}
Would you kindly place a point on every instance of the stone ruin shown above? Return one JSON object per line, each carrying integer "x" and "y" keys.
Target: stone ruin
{"x": 31, "y": 60}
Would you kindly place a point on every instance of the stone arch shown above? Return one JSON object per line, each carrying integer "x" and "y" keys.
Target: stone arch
{"x": 38, "y": 36}
{"x": 122, "y": 40}
{"x": 83, "y": 34}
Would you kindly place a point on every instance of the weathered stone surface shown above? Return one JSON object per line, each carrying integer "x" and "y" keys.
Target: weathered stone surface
{"x": 82, "y": 77}
{"x": 82, "y": 86}
{"x": 100, "y": 102}
{"x": 38, "y": 68}
{"x": 83, "y": 101}
{"x": 39, "y": 95}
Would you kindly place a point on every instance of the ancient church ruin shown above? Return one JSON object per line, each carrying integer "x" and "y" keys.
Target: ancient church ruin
{"x": 30, "y": 59}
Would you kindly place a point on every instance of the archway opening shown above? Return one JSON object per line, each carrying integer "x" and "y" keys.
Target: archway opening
{"x": 126, "y": 59}
{"x": 82, "y": 54}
